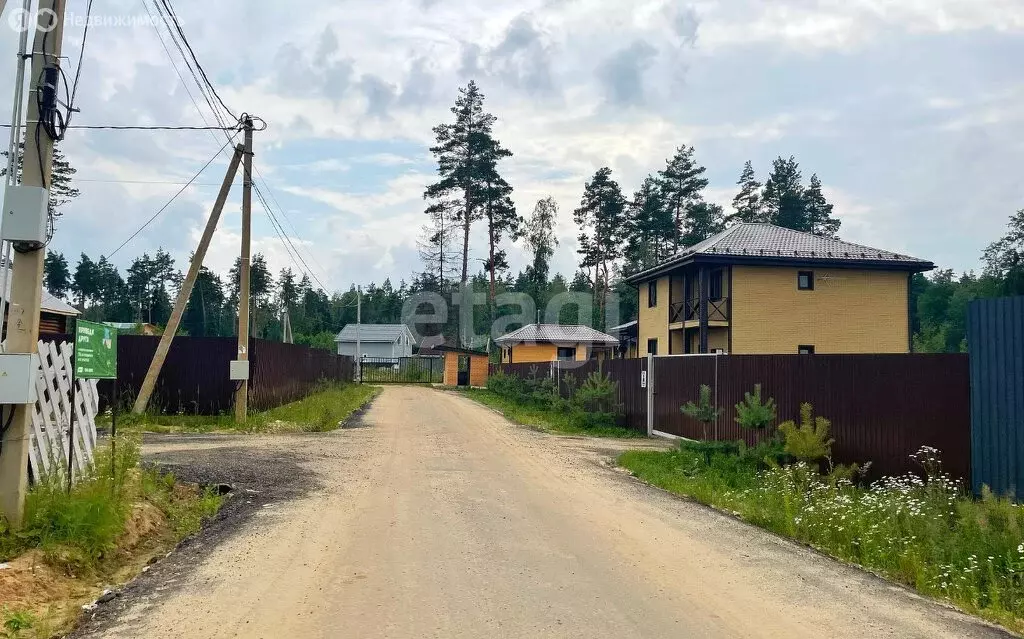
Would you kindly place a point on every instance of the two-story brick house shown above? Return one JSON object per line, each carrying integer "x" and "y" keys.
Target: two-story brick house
{"x": 764, "y": 289}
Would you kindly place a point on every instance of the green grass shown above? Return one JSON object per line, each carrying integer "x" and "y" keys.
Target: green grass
{"x": 321, "y": 411}
{"x": 78, "y": 531}
{"x": 563, "y": 423}
{"x": 926, "y": 534}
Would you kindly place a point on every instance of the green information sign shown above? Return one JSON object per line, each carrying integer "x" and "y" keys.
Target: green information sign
{"x": 95, "y": 351}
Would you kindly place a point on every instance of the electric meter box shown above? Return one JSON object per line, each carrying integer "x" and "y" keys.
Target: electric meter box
{"x": 25, "y": 214}
{"x": 18, "y": 372}
{"x": 239, "y": 370}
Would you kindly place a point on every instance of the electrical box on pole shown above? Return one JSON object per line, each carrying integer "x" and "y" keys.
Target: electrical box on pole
{"x": 25, "y": 217}
{"x": 18, "y": 372}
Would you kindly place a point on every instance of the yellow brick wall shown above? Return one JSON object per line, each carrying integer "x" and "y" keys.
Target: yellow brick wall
{"x": 526, "y": 353}
{"x": 849, "y": 311}
{"x": 478, "y": 371}
{"x": 718, "y": 337}
{"x": 654, "y": 321}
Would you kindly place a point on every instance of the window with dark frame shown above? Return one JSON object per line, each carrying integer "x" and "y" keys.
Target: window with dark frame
{"x": 652, "y": 294}
{"x": 652, "y": 346}
{"x": 805, "y": 280}
{"x": 805, "y": 349}
{"x": 715, "y": 286}
{"x": 566, "y": 354}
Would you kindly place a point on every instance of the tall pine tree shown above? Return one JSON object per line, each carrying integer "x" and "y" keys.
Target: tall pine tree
{"x": 682, "y": 181}
{"x": 747, "y": 205}
{"x": 650, "y": 228}
{"x": 784, "y": 202}
{"x": 467, "y": 157}
{"x": 601, "y": 217}
{"x": 702, "y": 221}
{"x": 56, "y": 274}
{"x": 819, "y": 211}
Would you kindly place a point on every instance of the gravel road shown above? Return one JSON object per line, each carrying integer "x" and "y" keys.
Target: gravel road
{"x": 441, "y": 519}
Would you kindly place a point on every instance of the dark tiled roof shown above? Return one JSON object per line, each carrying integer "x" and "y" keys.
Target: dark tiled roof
{"x": 770, "y": 242}
{"x": 558, "y": 334}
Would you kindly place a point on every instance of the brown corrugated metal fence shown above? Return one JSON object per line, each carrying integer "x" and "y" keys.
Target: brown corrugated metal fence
{"x": 194, "y": 379}
{"x": 882, "y": 407}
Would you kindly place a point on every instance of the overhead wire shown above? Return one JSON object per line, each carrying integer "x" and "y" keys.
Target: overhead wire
{"x": 142, "y": 127}
{"x": 81, "y": 57}
{"x": 285, "y": 239}
{"x": 171, "y": 201}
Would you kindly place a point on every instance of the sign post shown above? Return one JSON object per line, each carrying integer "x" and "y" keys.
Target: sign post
{"x": 95, "y": 358}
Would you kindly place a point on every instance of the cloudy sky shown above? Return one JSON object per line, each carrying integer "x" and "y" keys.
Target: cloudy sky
{"x": 909, "y": 110}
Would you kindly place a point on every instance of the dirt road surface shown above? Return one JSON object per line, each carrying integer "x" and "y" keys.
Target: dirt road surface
{"x": 441, "y": 519}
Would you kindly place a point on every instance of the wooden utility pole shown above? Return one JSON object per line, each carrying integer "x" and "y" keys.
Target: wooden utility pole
{"x": 242, "y": 393}
{"x": 27, "y": 285}
{"x": 149, "y": 383}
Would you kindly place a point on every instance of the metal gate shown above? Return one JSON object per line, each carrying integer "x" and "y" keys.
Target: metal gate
{"x": 401, "y": 370}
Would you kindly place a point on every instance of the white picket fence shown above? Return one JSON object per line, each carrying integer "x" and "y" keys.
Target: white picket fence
{"x": 51, "y": 418}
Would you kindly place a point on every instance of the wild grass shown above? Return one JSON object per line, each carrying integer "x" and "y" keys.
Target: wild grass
{"x": 79, "y": 530}
{"x": 545, "y": 419}
{"x": 921, "y": 531}
{"x": 321, "y": 411}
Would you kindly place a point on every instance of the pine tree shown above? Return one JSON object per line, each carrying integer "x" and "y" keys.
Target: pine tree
{"x": 702, "y": 221}
{"x": 61, "y": 187}
{"x": 819, "y": 211}
{"x": 650, "y": 229}
{"x": 502, "y": 220}
{"x": 600, "y": 218}
{"x": 1004, "y": 258}
{"x": 467, "y": 157}
{"x": 437, "y": 249}
{"x": 747, "y": 205}
{"x": 84, "y": 284}
{"x": 681, "y": 184}
{"x": 287, "y": 289}
{"x": 57, "y": 274}
{"x": 783, "y": 198}
{"x": 541, "y": 240}
{"x": 202, "y": 317}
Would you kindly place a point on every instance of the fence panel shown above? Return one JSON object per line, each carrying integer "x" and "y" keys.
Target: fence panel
{"x": 402, "y": 370}
{"x": 282, "y": 373}
{"x": 882, "y": 407}
{"x": 995, "y": 336}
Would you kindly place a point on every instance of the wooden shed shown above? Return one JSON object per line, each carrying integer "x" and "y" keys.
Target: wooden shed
{"x": 464, "y": 367}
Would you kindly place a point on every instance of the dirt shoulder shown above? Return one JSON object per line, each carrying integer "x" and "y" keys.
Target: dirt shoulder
{"x": 443, "y": 519}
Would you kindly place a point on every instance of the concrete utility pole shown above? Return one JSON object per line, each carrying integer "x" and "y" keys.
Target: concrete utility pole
{"x": 149, "y": 383}
{"x": 242, "y": 393}
{"x": 27, "y": 287}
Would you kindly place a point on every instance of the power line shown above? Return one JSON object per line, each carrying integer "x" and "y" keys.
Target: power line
{"x": 142, "y": 127}
{"x": 288, "y": 219}
{"x": 81, "y": 56}
{"x": 171, "y": 201}
{"x": 78, "y": 179}
{"x": 285, "y": 239}
{"x": 199, "y": 67}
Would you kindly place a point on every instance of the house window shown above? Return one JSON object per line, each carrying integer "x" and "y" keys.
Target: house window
{"x": 652, "y": 347}
{"x": 805, "y": 280}
{"x": 652, "y": 294}
{"x": 805, "y": 349}
{"x": 715, "y": 286}
{"x": 566, "y": 354}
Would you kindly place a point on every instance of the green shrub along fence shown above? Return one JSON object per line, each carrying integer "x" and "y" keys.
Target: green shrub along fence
{"x": 883, "y": 408}
{"x": 194, "y": 379}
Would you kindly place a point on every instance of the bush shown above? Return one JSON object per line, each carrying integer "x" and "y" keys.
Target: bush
{"x": 754, "y": 414}
{"x": 703, "y": 411}
{"x": 808, "y": 442}
{"x": 709, "y": 449}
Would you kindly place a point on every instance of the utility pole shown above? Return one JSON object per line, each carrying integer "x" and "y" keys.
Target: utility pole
{"x": 149, "y": 383}
{"x": 359, "y": 321}
{"x": 242, "y": 393}
{"x": 27, "y": 285}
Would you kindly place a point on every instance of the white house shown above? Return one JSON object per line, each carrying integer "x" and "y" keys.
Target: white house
{"x": 376, "y": 340}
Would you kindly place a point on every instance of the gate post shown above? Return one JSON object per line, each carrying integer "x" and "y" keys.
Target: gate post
{"x": 650, "y": 394}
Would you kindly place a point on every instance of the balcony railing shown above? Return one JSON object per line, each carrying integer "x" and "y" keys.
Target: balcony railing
{"x": 689, "y": 311}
